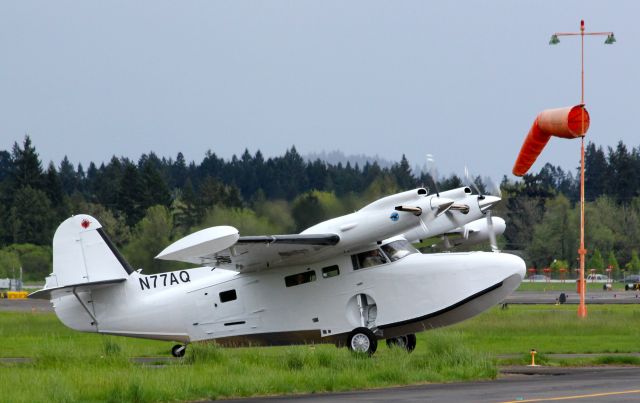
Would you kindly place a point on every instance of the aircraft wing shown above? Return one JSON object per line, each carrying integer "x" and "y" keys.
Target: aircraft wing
{"x": 252, "y": 253}
{"x": 249, "y": 253}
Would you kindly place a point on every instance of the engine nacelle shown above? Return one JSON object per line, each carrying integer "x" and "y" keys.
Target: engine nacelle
{"x": 476, "y": 232}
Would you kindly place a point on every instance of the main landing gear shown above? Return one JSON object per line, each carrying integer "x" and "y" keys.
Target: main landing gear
{"x": 407, "y": 342}
{"x": 178, "y": 350}
{"x": 362, "y": 340}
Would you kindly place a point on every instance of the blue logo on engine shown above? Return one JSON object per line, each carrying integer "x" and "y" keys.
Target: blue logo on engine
{"x": 394, "y": 216}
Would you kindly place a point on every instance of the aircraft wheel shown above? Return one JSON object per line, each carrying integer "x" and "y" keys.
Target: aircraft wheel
{"x": 178, "y": 350}
{"x": 407, "y": 342}
{"x": 362, "y": 340}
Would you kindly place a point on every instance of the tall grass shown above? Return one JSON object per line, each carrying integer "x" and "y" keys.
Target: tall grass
{"x": 69, "y": 366}
{"x": 555, "y": 329}
{"x": 209, "y": 371}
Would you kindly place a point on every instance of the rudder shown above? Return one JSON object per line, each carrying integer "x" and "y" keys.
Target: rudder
{"x": 82, "y": 253}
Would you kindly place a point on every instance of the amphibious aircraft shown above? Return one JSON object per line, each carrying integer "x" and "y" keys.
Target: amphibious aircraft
{"x": 351, "y": 280}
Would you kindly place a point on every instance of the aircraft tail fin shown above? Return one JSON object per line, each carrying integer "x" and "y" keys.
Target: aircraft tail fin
{"x": 84, "y": 256}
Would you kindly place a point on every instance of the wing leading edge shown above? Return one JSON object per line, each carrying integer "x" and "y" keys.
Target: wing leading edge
{"x": 247, "y": 253}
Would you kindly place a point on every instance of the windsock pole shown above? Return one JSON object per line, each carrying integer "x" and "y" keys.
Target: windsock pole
{"x": 582, "y": 307}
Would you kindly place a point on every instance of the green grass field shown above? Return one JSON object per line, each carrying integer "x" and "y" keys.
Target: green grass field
{"x": 72, "y": 366}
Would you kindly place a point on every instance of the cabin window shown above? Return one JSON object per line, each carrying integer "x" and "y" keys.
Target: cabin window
{"x": 226, "y": 296}
{"x": 300, "y": 278}
{"x": 396, "y": 250}
{"x": 368, "y": 259}
{"x": 330, "y": 271}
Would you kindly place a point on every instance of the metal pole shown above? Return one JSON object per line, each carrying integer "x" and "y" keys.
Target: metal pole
{"x": 582, "y": 308}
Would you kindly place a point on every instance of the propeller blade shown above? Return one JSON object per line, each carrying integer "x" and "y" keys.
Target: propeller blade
{"x": 433, "y": 174}
{"x": 492, "y": 235}
{"x": 494, "y": 189}
{"x": 441, "y": 205}
{"x": 471, "y": 183}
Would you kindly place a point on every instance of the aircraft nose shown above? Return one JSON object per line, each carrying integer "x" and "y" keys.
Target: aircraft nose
{"x": 514, "y": 263}
{"x": 488, "y": 202}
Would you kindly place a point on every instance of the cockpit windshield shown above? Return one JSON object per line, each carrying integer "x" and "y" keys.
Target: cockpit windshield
{"x": 398, "y": 249}
{"x": 369, "y": 259}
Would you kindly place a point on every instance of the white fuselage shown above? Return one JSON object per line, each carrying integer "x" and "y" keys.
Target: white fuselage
{"x": 415, "y": 293}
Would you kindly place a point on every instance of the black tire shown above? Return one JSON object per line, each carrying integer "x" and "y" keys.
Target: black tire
{"x": 178, "y": 350}
{"x": 362, "y": 340}
{"x": 407, "y": 342}
{"x": 626, "y": 287}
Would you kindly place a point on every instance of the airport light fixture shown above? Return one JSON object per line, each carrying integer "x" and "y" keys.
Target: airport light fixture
{"x": 582, "y": 308}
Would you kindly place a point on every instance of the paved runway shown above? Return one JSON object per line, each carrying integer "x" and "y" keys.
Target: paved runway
{"x": 592, "y": 297}
{"x": 578, "y": 385}
{"x": 25, "y": 305}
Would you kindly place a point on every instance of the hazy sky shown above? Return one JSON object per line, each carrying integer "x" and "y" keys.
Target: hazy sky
{"x": 462, "y": 80}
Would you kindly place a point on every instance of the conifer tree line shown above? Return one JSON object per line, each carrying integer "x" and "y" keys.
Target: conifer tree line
{"x": 146, "y": 204}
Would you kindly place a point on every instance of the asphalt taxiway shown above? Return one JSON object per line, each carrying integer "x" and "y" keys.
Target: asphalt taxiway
{"x": 516, "y": 385}
{"x": 25, "y": 305}
{"x": 592, "y": 297}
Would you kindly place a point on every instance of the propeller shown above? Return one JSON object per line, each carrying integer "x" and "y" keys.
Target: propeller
{"x": 486, "y": 206}
{"x": 433, "y": 174}
{"x": 472, "y": 183}
{"x": 495, "y": 191}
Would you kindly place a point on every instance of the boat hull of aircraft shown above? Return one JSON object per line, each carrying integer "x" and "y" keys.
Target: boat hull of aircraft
{"x": 417, "y": 293}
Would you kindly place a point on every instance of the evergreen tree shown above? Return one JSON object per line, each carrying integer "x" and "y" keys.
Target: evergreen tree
{"x": 152, "y": 234}
{"x": 155, "y": 187}
{"x": 595, "y": 172}
{"x": 107, "y": 184}
{"x": 30, "y": 217}
{"x": 452, "y": 182}
{"x": 68, "y": 176}
{"x": 185, "y": 208}
{"x": 634, "y": 264}
{"x": 53, "y": 186}
{"x": 179, "y": 171}
{"x": 596, "y": 262}
{"x": 131, "y": 196}
{"x": 402, "y": 174}
{"x": 9, "y": 263}
{"x": 27, "y": 168}
{"x": 612, "y": 263}
{"x": 5, "y": 165}
{"x": 555, "y": 237}
{"x": 623, "y": 179}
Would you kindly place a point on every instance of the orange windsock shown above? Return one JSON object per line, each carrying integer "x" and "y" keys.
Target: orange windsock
{"x": 569, "y": 123}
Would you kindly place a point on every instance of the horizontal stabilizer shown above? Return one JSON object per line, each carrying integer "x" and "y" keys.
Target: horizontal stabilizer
{"x": 56, "y": 292}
